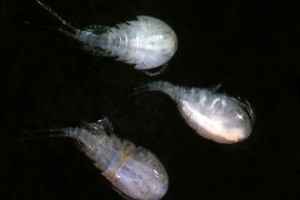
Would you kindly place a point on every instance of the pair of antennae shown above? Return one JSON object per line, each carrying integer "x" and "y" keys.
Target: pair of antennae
{"x": 66, "y": 28}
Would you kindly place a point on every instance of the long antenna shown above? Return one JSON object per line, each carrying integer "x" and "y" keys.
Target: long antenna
{"x": 59, "y": 18}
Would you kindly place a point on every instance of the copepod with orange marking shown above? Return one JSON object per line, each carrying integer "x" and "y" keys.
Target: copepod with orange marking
{"x": 214, "y": 116}
{"x": 147, "y": 42}
{"x": 134, "y": 172}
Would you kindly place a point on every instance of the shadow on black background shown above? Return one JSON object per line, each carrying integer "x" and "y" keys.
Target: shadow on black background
{"x": 49, "y": 81}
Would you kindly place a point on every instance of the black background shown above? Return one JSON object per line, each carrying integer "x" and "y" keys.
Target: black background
{"x": 49, "y": 81}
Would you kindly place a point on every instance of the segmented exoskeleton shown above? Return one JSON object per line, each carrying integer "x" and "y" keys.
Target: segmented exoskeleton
{"x": 146, "y": 42}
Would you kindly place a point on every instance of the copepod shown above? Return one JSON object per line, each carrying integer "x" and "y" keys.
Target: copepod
{"x": 134, "y": 171}
{"x": 214, "y": 116}
{"x": 147, "y": 42}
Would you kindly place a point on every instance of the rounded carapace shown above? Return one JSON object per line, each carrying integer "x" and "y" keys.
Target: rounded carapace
{"x": 147, "y": 42}
{"x": 215, "y": 116}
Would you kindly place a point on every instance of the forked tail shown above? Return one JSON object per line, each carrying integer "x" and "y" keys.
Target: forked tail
{"x": 69, "y": 132}
{"x": 173, "y": 91}
{"x": 66, "y": 28}
{"x": 161, "y": 86}
{"x": 51, "y": 133}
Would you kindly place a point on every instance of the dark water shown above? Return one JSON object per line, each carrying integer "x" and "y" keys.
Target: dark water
{"x": 49, "y": 81}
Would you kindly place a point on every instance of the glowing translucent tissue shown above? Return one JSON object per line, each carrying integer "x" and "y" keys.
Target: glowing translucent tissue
{"x": 215, "y": 116}
{"x": 134, "y": 171}
{"x": 146, "y": 42}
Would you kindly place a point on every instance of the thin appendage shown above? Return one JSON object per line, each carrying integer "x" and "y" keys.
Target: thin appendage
{"x": 69, "y": 29}
{"x": 157, "y": 72}
{"x": 164, "y": 87}
{"x": 140, "y": 89}
{"x": 161, "y": 86}
{"x": 216, "y": 88}
{"x": 61, "y": 132}
{"x": 248, "y": 108}
{"x": 51, "y": 133}
{"x": 46, "y": 27}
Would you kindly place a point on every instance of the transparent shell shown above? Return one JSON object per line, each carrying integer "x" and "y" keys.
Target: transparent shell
{"x": 215, "y": 116}
{"x": 134, "y": 171}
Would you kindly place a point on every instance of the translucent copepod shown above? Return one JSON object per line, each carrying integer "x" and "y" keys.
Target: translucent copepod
{"x": 146, "y": 42}
{"x": 214, "y": 116}
{"x": 133, "y": 171}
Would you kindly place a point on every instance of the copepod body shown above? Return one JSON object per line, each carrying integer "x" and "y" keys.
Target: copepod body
{"x": 134, "y": 171}
{"x": 214, "y": 116}
{"x": 146, "y": 42}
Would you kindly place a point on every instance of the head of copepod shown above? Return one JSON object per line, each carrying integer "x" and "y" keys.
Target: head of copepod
{"x": 142, "y": 176}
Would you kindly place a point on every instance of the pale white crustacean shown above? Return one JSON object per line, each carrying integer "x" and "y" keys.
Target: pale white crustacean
{"x": 214, "y": 116}
{"x": 133, "y": 171}
{"x": 147, "y": 42}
